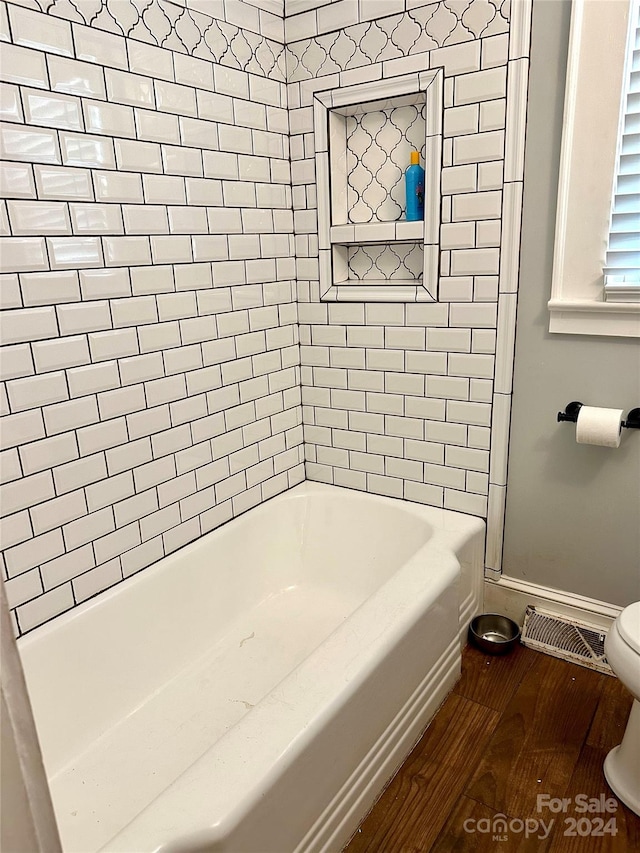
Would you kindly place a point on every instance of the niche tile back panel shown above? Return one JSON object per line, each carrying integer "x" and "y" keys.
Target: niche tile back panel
{"x": 378, "y": 145}
{"x": 385, "y": 261}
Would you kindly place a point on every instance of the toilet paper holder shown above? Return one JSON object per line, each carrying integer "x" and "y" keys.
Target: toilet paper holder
{"x": 572, "y": 410}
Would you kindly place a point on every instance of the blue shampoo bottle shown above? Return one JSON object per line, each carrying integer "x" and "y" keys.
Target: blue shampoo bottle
{"x": 414, "y": 184}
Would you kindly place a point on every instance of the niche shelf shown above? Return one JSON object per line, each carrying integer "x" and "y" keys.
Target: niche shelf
{"x": 363, "y": 136}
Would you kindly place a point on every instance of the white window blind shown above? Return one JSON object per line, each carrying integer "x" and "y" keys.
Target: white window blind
{"x": 622, "y": 268}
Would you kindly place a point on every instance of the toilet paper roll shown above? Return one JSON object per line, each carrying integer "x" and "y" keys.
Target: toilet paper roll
{"x": 602, "y": 427}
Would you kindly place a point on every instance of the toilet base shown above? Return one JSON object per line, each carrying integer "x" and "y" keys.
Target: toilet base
{"x": 622, "y": 764}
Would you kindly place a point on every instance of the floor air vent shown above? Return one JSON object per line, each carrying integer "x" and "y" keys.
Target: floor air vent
{"x": 564, "y": 638}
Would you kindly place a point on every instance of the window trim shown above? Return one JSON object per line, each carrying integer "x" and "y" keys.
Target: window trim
{"x": 595, "y": 67}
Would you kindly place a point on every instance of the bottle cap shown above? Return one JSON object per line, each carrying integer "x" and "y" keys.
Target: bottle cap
{"x": 415, "y": 158}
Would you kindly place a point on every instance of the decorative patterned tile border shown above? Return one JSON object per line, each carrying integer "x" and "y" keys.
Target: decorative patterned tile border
{"x": 172, "y": 26}
{"x": 422, "y": 29}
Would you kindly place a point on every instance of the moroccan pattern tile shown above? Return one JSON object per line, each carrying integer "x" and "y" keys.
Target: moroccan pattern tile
{"x": 416, "y": 31}
{"x": 386, "y": 261}
{"x": 175, "y": 27}
{"x": 378, "y": 148}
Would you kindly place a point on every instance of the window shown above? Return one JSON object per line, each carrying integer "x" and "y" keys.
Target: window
{"x": 622, "y": 267}
{"x": 597, "y": 74}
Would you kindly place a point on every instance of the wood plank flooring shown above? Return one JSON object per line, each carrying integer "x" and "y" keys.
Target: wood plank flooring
{"x": 515, "y": 727}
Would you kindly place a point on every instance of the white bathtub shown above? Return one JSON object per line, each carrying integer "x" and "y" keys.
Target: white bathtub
{"x": 255, "y": 690}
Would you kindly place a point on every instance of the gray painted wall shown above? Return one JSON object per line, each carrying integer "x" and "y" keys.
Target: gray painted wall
{"x": 573, "y": 511}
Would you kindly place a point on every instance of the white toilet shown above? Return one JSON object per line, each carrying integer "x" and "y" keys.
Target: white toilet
{"x": 622, "y": 764}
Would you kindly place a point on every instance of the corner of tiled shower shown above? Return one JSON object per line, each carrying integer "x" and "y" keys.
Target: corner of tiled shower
{"x": 164, "y": 337}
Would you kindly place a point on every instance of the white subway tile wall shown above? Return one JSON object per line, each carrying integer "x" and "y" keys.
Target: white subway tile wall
{"x": 404, "y": 399}
{"x": 150, "y": 368}
{"x": 160, "y": 277}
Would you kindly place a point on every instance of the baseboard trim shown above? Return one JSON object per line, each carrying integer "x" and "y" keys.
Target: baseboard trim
{"x": 511, "y": 596}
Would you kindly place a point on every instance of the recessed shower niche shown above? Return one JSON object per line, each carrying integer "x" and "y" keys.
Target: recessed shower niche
{"x": 363, "y": 138}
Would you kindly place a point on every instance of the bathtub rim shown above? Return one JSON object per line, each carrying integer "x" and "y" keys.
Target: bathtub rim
{"x": 459, "y": 527}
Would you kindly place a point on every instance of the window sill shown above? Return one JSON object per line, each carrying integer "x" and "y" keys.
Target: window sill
{"x": 589, "y": 317}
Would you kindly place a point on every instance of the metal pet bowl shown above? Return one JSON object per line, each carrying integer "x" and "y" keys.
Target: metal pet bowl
{"x": 494, "y": 634}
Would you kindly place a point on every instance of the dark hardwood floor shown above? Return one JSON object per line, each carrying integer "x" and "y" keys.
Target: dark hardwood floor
{"x": 514, "y": 729}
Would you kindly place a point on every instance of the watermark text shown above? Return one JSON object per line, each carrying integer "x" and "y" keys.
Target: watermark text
{"x": 582, "y": 816}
